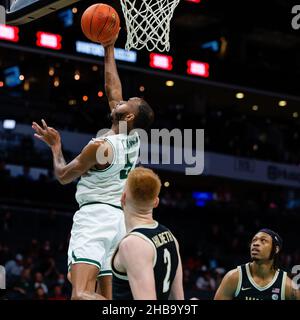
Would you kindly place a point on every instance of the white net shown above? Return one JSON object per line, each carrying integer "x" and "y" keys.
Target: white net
{"x": 148, "y": 23}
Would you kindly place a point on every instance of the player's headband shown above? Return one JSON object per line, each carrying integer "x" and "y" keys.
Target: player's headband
{"x": 274, "y": 235}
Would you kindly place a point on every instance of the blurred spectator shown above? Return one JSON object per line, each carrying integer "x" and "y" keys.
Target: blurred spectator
{"x": 40, "y": 294}
{"x": 23, "y": 288}
{"x": 14, "y": 267}
{"x": 57, "y": 294}
{"x": 213, "y": 238}
{"x": 39, "y": 282}
{"x": 205, "y": 281}
{"x": 61, "y": 279}
{"x": 51, "y": 270}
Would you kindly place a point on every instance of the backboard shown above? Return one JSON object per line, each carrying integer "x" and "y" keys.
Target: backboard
{"x": 23, "y": 11}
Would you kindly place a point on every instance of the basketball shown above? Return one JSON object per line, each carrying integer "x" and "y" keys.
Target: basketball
{"x": 100, "y": 23}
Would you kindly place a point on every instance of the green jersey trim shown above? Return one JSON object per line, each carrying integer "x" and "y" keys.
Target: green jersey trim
{"x": 104, "y": 273}
{"x": 85, "y": 260}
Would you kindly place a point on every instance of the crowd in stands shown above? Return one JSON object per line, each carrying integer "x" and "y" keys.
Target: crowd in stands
{"x": 34, "y": 233}
{"x": 213, "y": 238}
{"x": 36, "y": 273}
{"x": 273, "y": 139}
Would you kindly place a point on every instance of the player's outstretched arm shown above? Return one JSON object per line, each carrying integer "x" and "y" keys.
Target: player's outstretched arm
{"x": 292, "y": 291}
{"x": 228, "y": 286}
{"x": 89, "y": 156}
{"x": 136, "y": 257}
{"x": 113, "y": 86}
{"x": 176, "y": 292}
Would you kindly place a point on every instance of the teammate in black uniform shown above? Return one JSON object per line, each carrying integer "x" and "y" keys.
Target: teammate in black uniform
{"x": 146, "y": 264}
{"x": 260, "y": 279}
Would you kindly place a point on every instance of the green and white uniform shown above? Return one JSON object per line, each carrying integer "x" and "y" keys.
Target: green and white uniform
{"x": 98, "y": 225}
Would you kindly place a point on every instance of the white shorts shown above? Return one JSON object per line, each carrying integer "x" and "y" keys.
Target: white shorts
{"x": 97, "y": 229}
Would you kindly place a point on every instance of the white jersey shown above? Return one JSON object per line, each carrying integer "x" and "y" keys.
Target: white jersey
{"x": 106, "y": 186}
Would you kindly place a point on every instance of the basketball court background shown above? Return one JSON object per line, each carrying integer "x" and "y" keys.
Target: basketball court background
{"x": 228, "y": 72}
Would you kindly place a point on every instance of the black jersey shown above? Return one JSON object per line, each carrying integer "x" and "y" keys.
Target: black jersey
{"x": 247, "y": 289}
{"x": 164, "y": 266}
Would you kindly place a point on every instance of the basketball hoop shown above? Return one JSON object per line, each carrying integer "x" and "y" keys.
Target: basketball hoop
{"x": 148, "y": 23}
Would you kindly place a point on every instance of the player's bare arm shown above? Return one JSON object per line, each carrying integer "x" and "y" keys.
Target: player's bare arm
{"x": 176, "y": 292}
{"x": 292, "y": 292}
{"x": 228, "y": 286}
{"x": 136, "y": 256}
{"x": 66, "y": 173}
{"x": 113, "y": 86}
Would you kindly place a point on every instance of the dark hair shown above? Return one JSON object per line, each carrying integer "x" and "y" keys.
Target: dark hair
{"x": 274, "y": 255}
{"x": 144, "y": 117}
{"x": 276, "y": 242}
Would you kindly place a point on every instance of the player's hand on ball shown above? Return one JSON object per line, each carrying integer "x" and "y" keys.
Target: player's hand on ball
{"x": 112, "y": 41}
{"x": 47, "y": 134}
